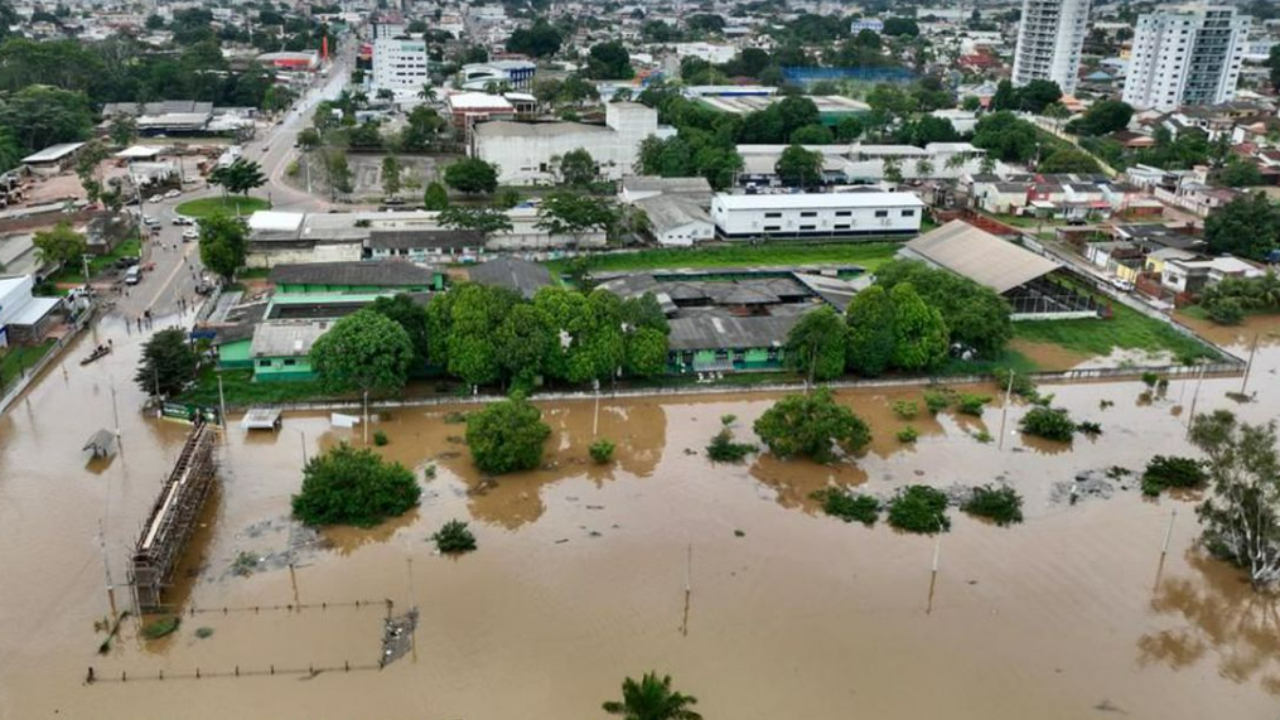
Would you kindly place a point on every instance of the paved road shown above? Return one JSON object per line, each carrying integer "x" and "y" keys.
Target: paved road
{"x": 170, "y": 287}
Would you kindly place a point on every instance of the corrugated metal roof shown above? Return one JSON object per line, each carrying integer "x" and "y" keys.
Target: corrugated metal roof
{"x": 980, "y": 256}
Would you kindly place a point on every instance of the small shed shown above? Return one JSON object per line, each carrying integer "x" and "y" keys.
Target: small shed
{"x": 261, "y": 419}
{"x": 101, "y": 444}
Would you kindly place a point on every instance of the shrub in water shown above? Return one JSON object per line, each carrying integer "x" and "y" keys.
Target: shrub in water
{"x": 937, "y": 400}
{"x": 380, "y": 438}
{"x": 1171, "y": 471}
{"x": 1023, "y": 386}
{"x": 1090, "y": 428}
{"x": 1228, "y": 311}
{"x": 159, "y": 628}
{"x": 908, "y": 434}
{"x": 724, "y": 449}
{"x": 983, "y": 437}
{"x": 454, "y": 538}
{"x": 727, "y": 420}
{"x": 973, "y": 404}
{"x": 1048, "y": 423}
{"x": 1150, "y": 378}
{"x": 601, "y": 451}
{"x": 838, "y": 503}
{"x": 906, "y": 409}
{"x": 919, "y": 509}
{"x": 349, "y": 486}
{"x": 1001, "y": 505}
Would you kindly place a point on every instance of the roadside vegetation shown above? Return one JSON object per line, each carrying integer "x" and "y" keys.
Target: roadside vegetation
{"x": 868, "y": 254}
{"x": 232, "y": 206}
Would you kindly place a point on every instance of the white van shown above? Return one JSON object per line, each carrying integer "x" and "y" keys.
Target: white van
{"x": 133, "y": 275}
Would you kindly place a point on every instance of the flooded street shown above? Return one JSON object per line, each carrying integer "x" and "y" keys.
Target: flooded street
{"x": 581, "y": 571}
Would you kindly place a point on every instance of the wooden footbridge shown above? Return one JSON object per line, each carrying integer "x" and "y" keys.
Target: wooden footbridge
{"x": 173, "y": 518}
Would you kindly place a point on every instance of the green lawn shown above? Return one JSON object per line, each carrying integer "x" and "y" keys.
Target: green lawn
{"x": 74, "y": 275}
{"x": 1011, "y": 359}
{"x": 240, "y": 389}
{"x": 204, "y": 207}
{"x": 870, "y": 255}
{"x": 15, "y": 359}
{"x": 1127, "y": 329}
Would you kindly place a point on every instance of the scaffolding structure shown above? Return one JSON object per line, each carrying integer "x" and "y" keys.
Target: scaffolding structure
{"x": 173, "y": 518}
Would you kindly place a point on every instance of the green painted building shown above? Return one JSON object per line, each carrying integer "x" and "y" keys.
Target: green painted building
{"x": 280, "y": 349}
{"x": 715, "y": 340}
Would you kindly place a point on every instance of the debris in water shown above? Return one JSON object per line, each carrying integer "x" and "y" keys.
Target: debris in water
{"x": 739, "y": 533}
{"x": 1108, "y": 706}
{"x": 397, "y": 636}
{"x": 1088, "y": 484}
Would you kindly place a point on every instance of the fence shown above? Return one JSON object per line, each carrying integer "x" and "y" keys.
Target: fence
{"x": 10, "y": 394}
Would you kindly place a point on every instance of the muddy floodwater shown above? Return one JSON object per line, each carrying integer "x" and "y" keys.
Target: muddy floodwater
{"x": 581, "y": 574}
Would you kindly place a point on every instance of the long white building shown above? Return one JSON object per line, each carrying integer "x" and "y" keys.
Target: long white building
{"x": 1050, "y": 37}
{"x": 1186, "y": 56}
{"x": 400, "y": 66}
{"x": 816, "y": 215}
{"x": 529, "y": 153}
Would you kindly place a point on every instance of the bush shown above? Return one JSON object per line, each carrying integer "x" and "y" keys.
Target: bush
{"x": 938, "y": 400}
{"x": 838, "y": 503}
{"x": 507, "y": 436}
{"x": 380, "y": 438}
{"x": 919, "y": 509}
{"x": 157, "y": 629}
{"x": 1150, "y": 378}
{"x": 1090, "y": 428}
{"x": 972, "y": 404}
{"x": 906, "y": 409}
{"x": 1002, "y": 505}
{"x": 1048, "y": 423}
{"x": 983, "y": 437}
{"x": 602, "y": 451}
{"x": 346, "y": 486}
{"x": 724, "y": 449}
{"x": 204, "y": 632}
{"x": 908, "y": 435}
{"x": 429, "y": 472}
{"x": 1165, "y": 471}
{"x": 1228, "y": 311}
{"x": 1023, "y": 386}
{"x": 454, "y": 538}
{"x": 727, "y": 420}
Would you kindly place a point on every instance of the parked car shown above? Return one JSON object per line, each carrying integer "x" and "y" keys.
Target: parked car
{"x": 133, "y": 276}
{"x": 190, "y": 234}
{"x": 126, "y": 262}
{"x": 1122, "y": 285}
{"x": 148, "y": 220}
{"x": 183, "y": 220}
{"x": 173, "y": 194}
{"x": 157, "y": 198}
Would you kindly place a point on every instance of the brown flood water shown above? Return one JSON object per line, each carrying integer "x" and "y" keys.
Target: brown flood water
{"x": 581, "y": 572}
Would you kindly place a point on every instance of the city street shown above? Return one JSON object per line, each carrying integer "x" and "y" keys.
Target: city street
{"x": 171, "y": 285}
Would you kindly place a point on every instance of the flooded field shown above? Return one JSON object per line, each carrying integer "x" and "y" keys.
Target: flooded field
{"x": 581, "y": 571}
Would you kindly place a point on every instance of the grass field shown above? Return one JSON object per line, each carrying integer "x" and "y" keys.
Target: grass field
{"x": 16, "y": 359}
{"x": 869, "y": 255}
{"x": 240, "y": 389}
{"x": 70, "y": 275}
{"x": 231, "y": 205}
{"x": 1127, "y": 329}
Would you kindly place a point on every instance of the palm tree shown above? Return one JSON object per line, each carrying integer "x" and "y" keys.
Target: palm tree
{"x": 427, "y": 93}
{"x": 652, "y": 699}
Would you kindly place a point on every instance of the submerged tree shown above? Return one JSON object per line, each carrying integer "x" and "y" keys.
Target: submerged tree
{"x": 811, "y": 425}
{"x": 1241, "y": 518}
{"x": 652, "y": 699}
{"x": 349, "y": 486}
{"x": 507, "y": 436}
{"x": 168, "y": 363}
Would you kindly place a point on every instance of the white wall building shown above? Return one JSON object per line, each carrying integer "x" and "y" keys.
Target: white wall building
{"x": 712, "y": 53}
{"x": 529, "y": 153}
{"x": 1050, "y": 37}
{"x": 400, "y": 66}
{"x": 812, "y": 215}
{"x": 1186, "y": 57}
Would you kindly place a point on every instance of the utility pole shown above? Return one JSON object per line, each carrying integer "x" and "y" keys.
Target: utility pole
{"x": 303, "y": 435}
{"x": 1004, "y": 411}
{"x": 115, "y": 409}
{"x": 366, "y": 417}
{"x": 106, "y": 569}
{"x": 1191, "y": 419}
{"x": 222, "y": 405}
{"x": 1249, "y": 365}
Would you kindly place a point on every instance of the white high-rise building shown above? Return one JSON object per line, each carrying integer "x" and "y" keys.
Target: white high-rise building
{"x": 1050, "y": 36}
{"x": 400, "y": 66}
{"x": 1186, "y": 56}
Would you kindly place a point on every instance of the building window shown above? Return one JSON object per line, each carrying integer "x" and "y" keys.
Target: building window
{"x": 773, "y": 215}
{"x": 844, "y": 213}
{"x": 809, "y": 213}
{"x": 772, "y": 228}
{"x": 908, "y": 213}
{"x": 290, "y": 362}
{"x": 842, "y": 226}
{"x": 808, "y": 227}
{"x": 882, "y": 213}
{"x": 264, "y": 363}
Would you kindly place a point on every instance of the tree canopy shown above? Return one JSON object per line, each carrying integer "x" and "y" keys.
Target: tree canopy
{"x": 471, "y": 175}
{"x": 349, "y": 486}
{"x": 609, "y": 61}
{"x": 364, "y": 351}
{"x": 811, "y": 426}
{"x": 1248, "y": 226}
{"x": 975, "y": 315}
{"x": 816, "y": 345}
{"x": 60, "y": 245}
{"x": 507, "y": 436}
{"x": 168, "y": 363}
{"x": 223, "y": 244}
{"x": 799, "y": 167}
{"x": 652, "y": 699}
